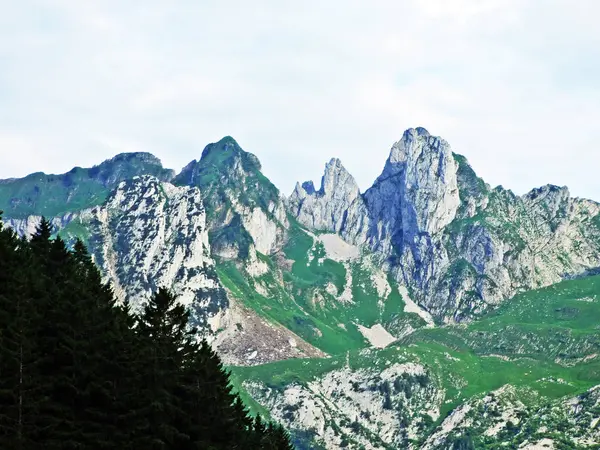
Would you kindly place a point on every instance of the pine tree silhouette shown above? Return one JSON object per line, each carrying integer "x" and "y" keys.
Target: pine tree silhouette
{"x": 78, "y": 371}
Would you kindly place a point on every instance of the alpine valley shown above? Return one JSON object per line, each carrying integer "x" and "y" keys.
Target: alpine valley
{"x": 431, "y": 311}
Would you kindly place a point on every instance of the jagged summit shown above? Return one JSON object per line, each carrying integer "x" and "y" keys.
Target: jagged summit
{"x": 227, "y": 140}
{"x": 222, "y": 160}
{"x": 415, "y": 132}
{"x": 226, "y": 144}
{"x": 430, "y": 243}
{"x": 335, "y": 174}
{"x": 546, "y": 189}
{"x": 425, "y": 213}
{"x": 336, "y": 206}
{"x": 415, "y": 143}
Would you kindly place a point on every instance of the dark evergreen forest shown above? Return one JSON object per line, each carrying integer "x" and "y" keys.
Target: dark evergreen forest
{"x": 79, "y": 371}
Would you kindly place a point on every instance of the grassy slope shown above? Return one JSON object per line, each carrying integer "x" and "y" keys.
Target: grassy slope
{"x": 55, "y": 195}
{"x": 463, "y": 374}
{"x": 559, "y": 322}
{"x": 505, "y": 347}
{"x": 302, "y": 304}
{"x": 51, "y": 195}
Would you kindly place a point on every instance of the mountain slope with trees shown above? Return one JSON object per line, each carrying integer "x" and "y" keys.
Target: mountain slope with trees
{"x": 376, "y": 319}
{"x": 78, "y": 371}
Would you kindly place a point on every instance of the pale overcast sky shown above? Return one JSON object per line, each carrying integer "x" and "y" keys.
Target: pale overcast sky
{"x": 512, "y": 84}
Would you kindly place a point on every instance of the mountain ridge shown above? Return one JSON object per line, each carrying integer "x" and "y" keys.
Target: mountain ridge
{"x": 426, "y": 211}
{"x": 309, "y": 295}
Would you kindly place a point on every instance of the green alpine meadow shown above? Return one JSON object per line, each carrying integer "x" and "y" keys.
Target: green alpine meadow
{"x": 144, "y": 308}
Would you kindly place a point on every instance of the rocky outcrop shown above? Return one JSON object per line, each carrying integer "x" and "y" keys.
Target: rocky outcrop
{"x": 356, "y": 408}
{"x": 150, "y": 234}
{"x": 457, "y": 244}
{"x": 336, "y": 207}
{"x": 244, "y": 208}
{"x": 512, "y": 244}
{"x": 27, "y": 226}
{"x": 429, "y": 242}
{"x": 521, "y": 417}
{"x": 416, "y": 195}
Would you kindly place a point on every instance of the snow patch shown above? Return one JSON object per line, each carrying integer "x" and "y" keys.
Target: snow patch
{"x": 378, "y": 336}
{"x": 380, "y": 283}
{"x": 337, "y": 249}
{"x": 412, "y": 307}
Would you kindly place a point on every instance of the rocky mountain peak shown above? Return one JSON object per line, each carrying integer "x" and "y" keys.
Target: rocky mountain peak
{"x": 244, "y": 209}
{"x": 417, "y": 191}
{"x": 227, "y": 152}
{"x": 337, "y": 206}
{"x": 337, "y": 176}
{"x": 415, "y": 143}
{"x": 421, "y": 131}
{"x": 547, "y": 192}
{"x": 308, "y": 186}
{"x": 128, "y": 165}
{"x": 129, "y": 157}
{"x": 220, "y": 160}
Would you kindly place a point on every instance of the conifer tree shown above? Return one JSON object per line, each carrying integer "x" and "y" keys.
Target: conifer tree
{"x": 16, "y": 358}
{"x": 78, "y": 371}
{"x": 218, "y": 418}
{"x": 167, "y": 343}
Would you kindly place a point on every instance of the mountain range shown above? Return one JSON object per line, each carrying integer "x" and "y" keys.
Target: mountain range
{"x": 430, "y": 311}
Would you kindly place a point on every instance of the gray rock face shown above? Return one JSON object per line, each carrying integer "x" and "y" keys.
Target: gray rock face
{"x": 148, "y": 234}
{"x": 441, "y": 231}
{"x": 416, "y": 196}
{"x": 575, "y": 417}
{"x": 410, "y": 203}
{"x": 370, "y": 408}
{"x": 27, "y": 226}
{"x": 151, "y": 234}
{"x": 337, "y": 206}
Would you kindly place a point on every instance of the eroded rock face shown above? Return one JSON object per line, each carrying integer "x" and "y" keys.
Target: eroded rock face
{"x": 364, "y": 408}
{"x": 416, "y": 195}
{"x": 244, "y": 208}
{"x": 459, "y": 245}
{"x": 148, "y": 234}
{"x": 27, "y": 226}
{"x": 495, "y": 414}
{"x": 337, "y": 206}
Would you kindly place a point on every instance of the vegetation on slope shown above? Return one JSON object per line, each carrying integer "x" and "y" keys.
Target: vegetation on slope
{"x": 544, "y": 343}
{"x": 302, "y": 302}
{"x": 558, "y": 323}
{"x": 55, "y": 195}
{"x": 79, "y": 372}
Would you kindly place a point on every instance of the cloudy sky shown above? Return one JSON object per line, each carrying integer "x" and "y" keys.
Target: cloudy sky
{"x": 512, "y": 84}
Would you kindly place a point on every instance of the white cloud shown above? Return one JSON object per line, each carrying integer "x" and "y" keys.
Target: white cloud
{"x": 511, "y": 84}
